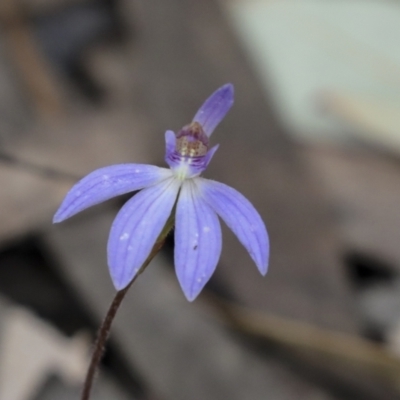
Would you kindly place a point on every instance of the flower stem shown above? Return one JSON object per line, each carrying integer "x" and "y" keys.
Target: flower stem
{"x": 99, "y": 346}
{"x": 104, "y": 330}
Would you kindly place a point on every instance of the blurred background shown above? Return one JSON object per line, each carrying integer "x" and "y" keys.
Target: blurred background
{"x": 313, "y": 141}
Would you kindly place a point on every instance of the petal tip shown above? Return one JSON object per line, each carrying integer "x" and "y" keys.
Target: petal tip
{"x": 189, "y": 290}
{"x": 190, "y": 295}
{"x": 169, "y": 134}
{"x": 119, "y": 280}
{"x": 262, "y": 260}
{"x": 226, "y": 94}
{"x": 58, "y": 218}
{"x": 263, "y": 269}
{"x": 119, "y": 285}
{"x": 214, "y": 109}
{"x": 229, "y": 89}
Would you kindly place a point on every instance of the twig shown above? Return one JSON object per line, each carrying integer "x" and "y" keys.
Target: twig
{"x": 310, "y": 338}
{"x": 32, "y": 66}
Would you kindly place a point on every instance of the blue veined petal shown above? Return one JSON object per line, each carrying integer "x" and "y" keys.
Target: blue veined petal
{"x": 197, "y": 241}
{"x": 108, "y": 182}
{"x": 210, "y": 154}
{"x": 240, "y": 216}
{"x": 215, "y": 108}
{"x": 136, "y": 228}
{"x": 170, "y": 145}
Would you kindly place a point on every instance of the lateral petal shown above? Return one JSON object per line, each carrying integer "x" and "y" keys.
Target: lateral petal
{"x": 137, "y": 227}
{"x": 210, "y": 154}
{"x": 170, "y": 144}
{"x": 106, "y": 183}
{"x": 214, "y": 109}
{"x": 240, "y": 216}
{"x": 197, "y": 241}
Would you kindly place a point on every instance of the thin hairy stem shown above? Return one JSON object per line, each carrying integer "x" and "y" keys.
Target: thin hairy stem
{"x": 99, "y": 345}
{"x": 104, "y": 330}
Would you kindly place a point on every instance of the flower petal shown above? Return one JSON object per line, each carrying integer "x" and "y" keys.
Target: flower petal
{"x": 210, "y": 154}
{"x": 170, "y": 144}
{"x": 215, "y": 108}
{"x": 197, "y": 241}
{"x": 108, "y": 182}
{"x": 136, "y": 228}
{"x": 240, "y": 216}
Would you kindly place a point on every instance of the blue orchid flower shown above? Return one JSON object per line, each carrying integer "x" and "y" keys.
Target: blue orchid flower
{"x": 198, "y": 201}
